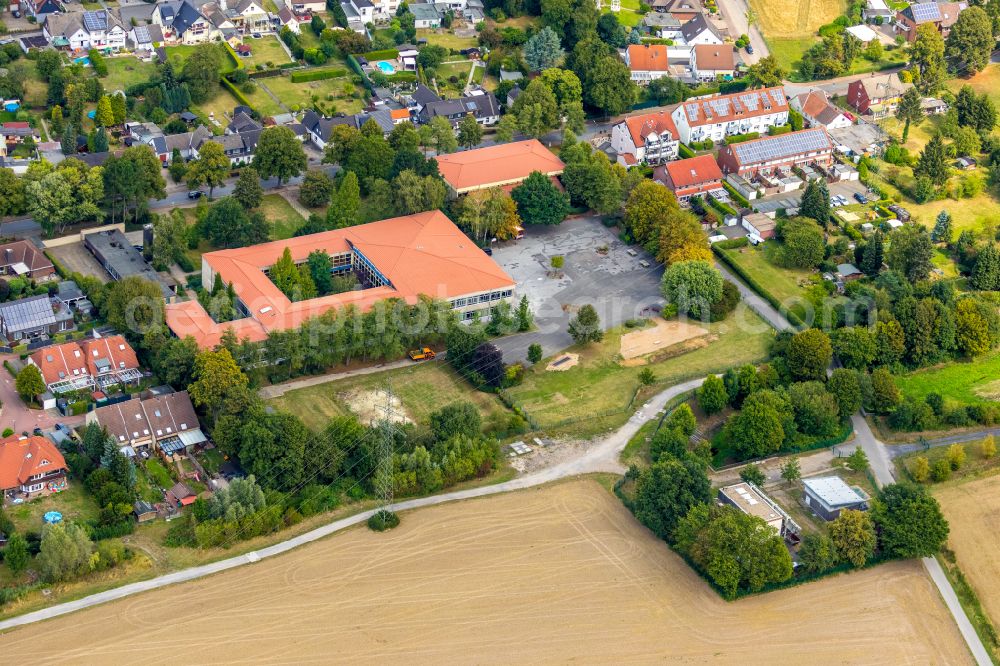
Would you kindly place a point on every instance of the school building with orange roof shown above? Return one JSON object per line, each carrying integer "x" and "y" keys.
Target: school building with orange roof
{"x": 402, "y": 257}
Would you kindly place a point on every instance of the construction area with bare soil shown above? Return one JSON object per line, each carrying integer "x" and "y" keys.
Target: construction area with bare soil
{"x": 557, "y": 573}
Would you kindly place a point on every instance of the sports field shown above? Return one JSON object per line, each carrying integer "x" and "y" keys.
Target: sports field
{"x": 972, "y": 509}
{"x": 558, "y": 574}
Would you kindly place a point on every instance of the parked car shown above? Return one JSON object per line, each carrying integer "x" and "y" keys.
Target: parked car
{"x": 860, "y": 197}
{"x": 749, "y": 48}
{"x": 195, "y": 194}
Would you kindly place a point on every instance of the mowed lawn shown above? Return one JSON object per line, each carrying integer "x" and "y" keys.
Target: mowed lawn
{"x": 788, "y": 51}
{"x": 599, "y": 383}
{"x": 282, "y": 218}
{"x": 125, "y": 71}
{"x": 265, "y": 50}
{"x": 986, "y": 81}
{"x": 421, "y": 389}
{"x": 74, "y": 503}
{"x": 785, "y": 284}
{"x": 178, "y": 55}
{"x": 327, "y": 92}
{"x": 967, "y": 381}
{"x": 446, "y": 38}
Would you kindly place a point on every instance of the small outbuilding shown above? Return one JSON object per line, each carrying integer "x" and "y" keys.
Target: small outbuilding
{"x": 848, "y": 272}
{"x": 752, "y": 501}
{"x": 143, "y": 511}
{"x": 827, "y": 496}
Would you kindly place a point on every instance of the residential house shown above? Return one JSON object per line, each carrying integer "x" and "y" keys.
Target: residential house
{"x": 751, "y": 500}
{"x": 166, "y": 422}
{"x": 422, "y": 96}
{"x": 219, "y": 19}
{"x": 425, "y": 15}
{"x": 146, "y": 37}
{"x": 877, "y": 94}
{"x": 717, "y": 116}
{"x": 319, "y": 129}
{"x": 699, "y": 31}
{"x": 359, "y": 14}
{"x": 682, "y": 10}
{"x": 249, "y": 16}
{"x": 818, "y": 111}
{"x": 711, "y": 61}
{"x": 41, "y": 9}
{"x": 827, "y": 496}
{"x": 309, "y": 6}
{"x": 92, "y": 363}
{"x": 647, "y": 62}
{"x": 877, "y": 11}
{"x": 23, "y": 259}
{"x": 940, "y": 14}
{"x": 777, "y": 153}
{"x": 29, "y": 467}
{"x": 34, "y": 317}
{"x": 932, "y": 106}
{"x": 185, "y": 143}
{"x": 649, "y": 138}
{"x": 480, "y": 103}
{"x": 512, "y": 96}
{"x": 182, "y": 22}
{"x": 289, "y": 21}
{"x": 16, "y": 133}
{"x": 180, "y": 495}
{"x": 662, "y": 26}
{"x": 240, "y": 140}
{"x": 100, "y": 29}
{"x": 695, "y": 176}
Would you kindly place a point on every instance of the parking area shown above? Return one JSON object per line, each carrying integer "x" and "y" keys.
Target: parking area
{"x": 598, "y": 269}
{"x": 78, "y": 259}
{"x": 784, "y": 200}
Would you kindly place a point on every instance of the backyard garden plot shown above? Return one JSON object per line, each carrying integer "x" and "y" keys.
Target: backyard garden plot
{"x": 448, "y": 39}
{"x": 336, "y": 95}
{"x": 126, "y": 71}
{"x": 555, "y": 574}
{"x": 266, "y": 52}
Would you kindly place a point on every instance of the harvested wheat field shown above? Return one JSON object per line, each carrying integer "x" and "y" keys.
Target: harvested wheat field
{"x": 553, "y": 574}
{"x": 795, "y": 18}
{"x": 973, "y": 512}
{"x": 660, "y": 335}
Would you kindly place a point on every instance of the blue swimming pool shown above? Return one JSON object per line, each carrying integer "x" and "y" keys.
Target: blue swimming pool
{"x": 386, "y": 67}
{"x": 85, "y": 61}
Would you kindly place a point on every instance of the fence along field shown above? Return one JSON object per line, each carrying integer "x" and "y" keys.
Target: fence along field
{"x": 541, "y": 575}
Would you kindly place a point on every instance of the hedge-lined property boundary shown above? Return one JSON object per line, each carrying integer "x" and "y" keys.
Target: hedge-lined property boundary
{"x": 734, "y": 193}
{"x": 318, "y": 74}
{"x": 385, "y": 54}
{"x": 793, "y": 318}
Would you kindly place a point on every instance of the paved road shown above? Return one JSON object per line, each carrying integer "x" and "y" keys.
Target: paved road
{"x": 735, "y": 13}
{"x": 16, "y": 415}
{"x": 602, "y": 457}
{"x": 879, "y": 459}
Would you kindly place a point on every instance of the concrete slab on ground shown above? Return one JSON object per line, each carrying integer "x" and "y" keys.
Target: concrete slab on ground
{"x": 76, "y": 258}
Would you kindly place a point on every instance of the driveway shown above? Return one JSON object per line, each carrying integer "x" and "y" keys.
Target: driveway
{"x": 613, "y": 282}
{"x": 15, "y": 413}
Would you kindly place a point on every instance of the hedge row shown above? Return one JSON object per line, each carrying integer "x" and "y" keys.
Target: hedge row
{"x": 740, "y": 138}
{"x": 778, "y": 130}
{"x": 734, "y": 193}
{"x": 231, "y": 87}
{"x": 318, "y": 74}
{"x": 386, "y": 54}
{"x": 684, "y": 151}
{"x": 723, "y": 208}
{"x": 403, "y": 77}
{"x": 793, "y": 318}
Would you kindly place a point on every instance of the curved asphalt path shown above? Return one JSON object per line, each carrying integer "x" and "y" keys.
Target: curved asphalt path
{"x": 603, "y": 457}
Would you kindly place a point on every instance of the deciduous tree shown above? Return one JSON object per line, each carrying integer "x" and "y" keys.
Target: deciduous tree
{"x": 909, "y": 521}
{"x": 586, "y": 326}
{"x": 247, "y": 190}
{"x": 853, "y": 536}
{"x": 211, "y": 167}
{"x": 539, "y": 201}
{"x": 279, "y": 154}
{"x": 692, "y": 286}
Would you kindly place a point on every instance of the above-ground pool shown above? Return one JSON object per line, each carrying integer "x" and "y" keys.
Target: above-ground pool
{"x": 85, "y": 61}
{"x": 386, "y": 67}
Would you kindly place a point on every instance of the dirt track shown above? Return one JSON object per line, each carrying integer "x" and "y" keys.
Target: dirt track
{"x": 973, "y": 512}
{"x": 552, "y": 574}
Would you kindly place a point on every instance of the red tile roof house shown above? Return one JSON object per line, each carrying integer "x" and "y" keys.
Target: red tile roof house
{"x": 878, "y": 94}
{"x": 710, "y": 61}
{"x": 818, "y": 111}
{"x": 166, "y": 421}
{"x": 774, "y": 153}
{"x": 504, "y": 165}
{"x": 29, "y": 467}
{"x": 647, "y": 62}
{"x": 87, "y": 364}
{"x": 695, "y": 176}
{"x": 650, "y": 138}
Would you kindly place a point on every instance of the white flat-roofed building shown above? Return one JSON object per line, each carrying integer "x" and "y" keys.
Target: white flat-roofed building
{"x": 752, "y": 501}
{"x": 827, "y": 496}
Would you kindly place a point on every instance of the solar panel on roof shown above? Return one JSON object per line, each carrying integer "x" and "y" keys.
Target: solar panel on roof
{"x": 778, "y": 147}
{"x": 142, "y": 34}
{"x": 927, "y": 11}
{"x": 95, "y": 21}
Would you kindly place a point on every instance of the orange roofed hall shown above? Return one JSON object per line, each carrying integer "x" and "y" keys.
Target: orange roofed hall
{"x": 403, "y": 257}
{"x": 502, "y": 165}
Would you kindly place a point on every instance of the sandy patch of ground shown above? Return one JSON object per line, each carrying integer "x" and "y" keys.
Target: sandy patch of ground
{"x": 989, "y": 390}
{"x": 847, "y": 216}
{"x": 562, "y": 362}
{"x": 555, "y": 574}
{"x": 661, "y": 335}
{"x": 369, "y": 406}
{"x": 973, "y": 512}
